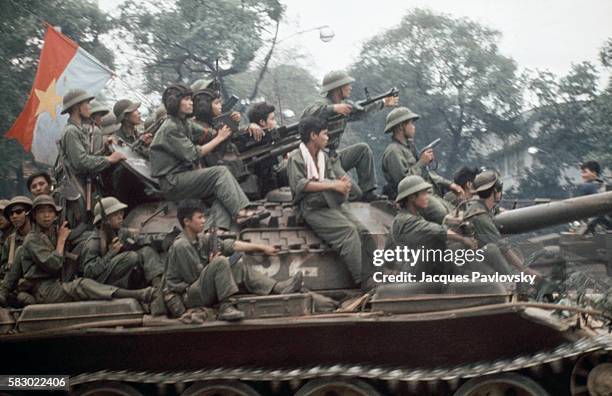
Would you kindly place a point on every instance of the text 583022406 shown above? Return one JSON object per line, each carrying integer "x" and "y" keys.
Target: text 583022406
{"x": 34, "y": 382}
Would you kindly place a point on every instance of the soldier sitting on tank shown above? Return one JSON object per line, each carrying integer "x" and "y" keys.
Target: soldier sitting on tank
{"x": 174, "y": 161}
{"x": 409, "y": 228}
{"x": 590, "y": 172}
{"x": 16, "y": 211}
{"x": 401, "y": 159}
{"x": 117, "y": 256}
{"x": 336, "y": 88}
{"x": 320, "y": 196}
{"x": 202, "y": 274}
{"x": 41, "y": 260}
{"x": 6, "y": 228}
{"x": 464, "y": 178}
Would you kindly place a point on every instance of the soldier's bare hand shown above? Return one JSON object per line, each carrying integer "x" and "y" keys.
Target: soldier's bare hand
{"x": 343, "y": 185}
{"x": 255, "y": 131}
{"x": 269, "y": 250}
{"x": 111, "y": 140}
{"x": 234, "y": 115}
{"x": 63, "y": 231}
{"x": 213, "y": 256}
{"x": 116, "y": 157}
{"x": 391, "y": 101}
{"x": 343, "y": 108}
{"x": 116, "y": 245}
{"x": 457, "y": 189}
{"x": 427, "y": 156}
{"x": 224, "y": 133}
{"x": 147, "y": 138}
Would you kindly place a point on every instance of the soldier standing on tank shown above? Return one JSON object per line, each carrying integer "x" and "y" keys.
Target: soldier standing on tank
{"x": 202, "y": 277}
{"x": 16, "y": 211}
{"x": 401, "y": 159}
{"x": 336, "y": 88}
{"x": 320, "y": 196}
{"x": 175, "y": 161}
{"x": 115, "y": 255}
{"x": 41, "y": 260}
{"x": 410, "y": 229}
{"x": 39, "y": 183}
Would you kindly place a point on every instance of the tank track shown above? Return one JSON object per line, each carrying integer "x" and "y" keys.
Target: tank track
{"x": 569, "y": 350}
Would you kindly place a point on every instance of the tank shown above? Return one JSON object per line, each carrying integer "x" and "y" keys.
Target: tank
{"x": 399, "y": 340}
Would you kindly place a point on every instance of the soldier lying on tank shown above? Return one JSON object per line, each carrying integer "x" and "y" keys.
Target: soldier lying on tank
{"x": 16, "y": 211}
{"x": 336, "y": 89}
{"x": 174, "y": 161}
{"x": 409, "y": 228}
{"x": 39, "y": 183}
{"x": 320, "y": 197}
{"x": 41, "y": 259}
{"x": 464, "y": 178}
{"x": 203, "y": 278}
{"x": 115, "y": 255}
{"x": 401, "y": 159}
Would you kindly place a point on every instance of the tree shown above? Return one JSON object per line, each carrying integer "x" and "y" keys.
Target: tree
{"x": 181, "y": 41}
{"x": 451, "y": 72}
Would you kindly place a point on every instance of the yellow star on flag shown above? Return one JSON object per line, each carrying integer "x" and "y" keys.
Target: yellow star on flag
{"x": 48, "y": 99}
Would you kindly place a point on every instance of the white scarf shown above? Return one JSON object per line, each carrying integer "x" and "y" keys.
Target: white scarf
{"x": 313, "y": 172}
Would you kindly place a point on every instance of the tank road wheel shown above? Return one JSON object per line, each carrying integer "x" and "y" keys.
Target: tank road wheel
{"x": 590, "y": 373}
{"x": 108, "y": 388}
{"x": 337, "y": 387}
{"x": 509, "y": 384}
{"x": 220, "y": 388}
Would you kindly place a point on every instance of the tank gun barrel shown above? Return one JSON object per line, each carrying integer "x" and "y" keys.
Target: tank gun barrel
{"x": 554, "y": 213}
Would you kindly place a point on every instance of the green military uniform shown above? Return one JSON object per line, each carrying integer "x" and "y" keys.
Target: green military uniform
{"x": 357, "y": 156}
{"x": 9, "y": 248}
{"x": 173, "y": 159}
{"x": 400, "y": 160}
{"x": 202, "y": 283}
{"x": 118, "y": 269}
{"x": 331, "y": 219}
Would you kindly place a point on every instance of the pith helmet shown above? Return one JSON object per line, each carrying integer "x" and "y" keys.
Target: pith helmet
{"x": 123, "y": 107}
{"x": 98, "y": 107}
{"x": 485, "y": 180}
{"x": 75, "y": 96}
{"x": 109, "y": 124}
{"x": 335, "y": 79}
{"x": 411, "y": 185}
{"x": 44, "y": 199}
{"x": 3, "y": 203}
{"x": 19, "y": 199}
{"x": 111, "y": 205}
{"x": 399, "y": 115}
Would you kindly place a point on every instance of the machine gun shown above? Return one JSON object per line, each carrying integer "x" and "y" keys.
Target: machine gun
{"x": 359, "y": 106}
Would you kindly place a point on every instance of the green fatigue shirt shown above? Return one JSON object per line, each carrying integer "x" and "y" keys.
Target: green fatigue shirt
{"x": 93, "y": 260}
{"x": 75, "y": 151}
{"x": 187, "y": 259}
{"x": 6, "y": 249}
{"x": 132, "y": 139}
{"x": 452, "y": 198}
{"x": 297, "y": 174}
{"x": 481, "y": 219}
{"x": 324, "y": 108}
{"x": 400, "y": 160}
{"x": 415, "y": 232}
{"x": 172, "y": 149}
{"x": 39, "y": 259}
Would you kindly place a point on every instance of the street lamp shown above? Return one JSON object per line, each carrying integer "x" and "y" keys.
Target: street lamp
{"x": 326, "y": 34}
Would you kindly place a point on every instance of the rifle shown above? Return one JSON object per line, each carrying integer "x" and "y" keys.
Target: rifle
{"x": 213, "y": 242}
{"x": 359, "y": 106}
{"x": 88, "y": 182}
{"x": 229, "y": 104}
{"x": 70, "y": 266}
{"x": 106, "y": 230}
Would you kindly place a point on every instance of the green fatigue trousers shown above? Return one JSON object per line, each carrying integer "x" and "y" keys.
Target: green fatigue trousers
{"x": 359, "y": 157}
{"x": 81, "y": 289}
{"x": 132, "y": 270}
{"x": 219, "y": 280}
{"x": 216, "y": 183}
{"x": 437, "y": 208}
{"x": 347, "y": 236}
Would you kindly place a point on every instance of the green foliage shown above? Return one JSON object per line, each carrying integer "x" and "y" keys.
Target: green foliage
{"x": 451, "y": 73}
{"x": 182, "y": 40}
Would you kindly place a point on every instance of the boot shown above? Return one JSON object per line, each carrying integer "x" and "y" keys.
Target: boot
{"x": 371, "y": 195}
{"x": 250, "y": 218}
{"x": 142, "y": 295}
{"x": 291, "y": 285}
{"x": 228, "y": 313}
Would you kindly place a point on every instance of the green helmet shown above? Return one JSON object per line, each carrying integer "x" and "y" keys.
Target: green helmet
{"x": 73, "y": 97}
{"x": 111, "y": 205}
{"x": 45, "y": 199}
{"x": 335, "y": 79}
{"x": 486, "y": 180}
{"x": 109, "y": 124}
{"x": 410, "y": 185}
{"x": 19, "y": 199}
{"x": 123, "y": 107}
{"x": 3, "y": 203}
{"x": 98, "y": 107}
{"x": 397, "y": 116}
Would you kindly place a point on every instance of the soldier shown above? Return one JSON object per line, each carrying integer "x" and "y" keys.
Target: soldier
{"x": 5, "y": 225}
{"x": 174, "y": 161}
{"x": 39, "y": 183}
{"x": 17, "y": 212}
{"x": 465, "y": 179}
{"x": 127, "y": 114}
{"x": 202, "y": 277}
{"x": 335, "y": 90}
{"x": 401, "y": 159}
{"x": 100, "y": 143}
{"x": 590, "y": 172}
{"x": 410, "y": 229}
{"x": 41, "y": 259}
{"x": 320, "y": 195}
{"x": 114, "y": 255}
{"x": 109, "y": 125}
